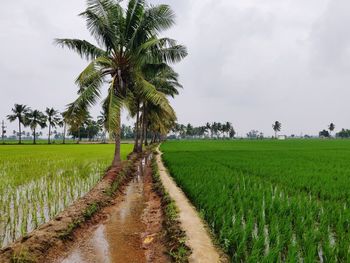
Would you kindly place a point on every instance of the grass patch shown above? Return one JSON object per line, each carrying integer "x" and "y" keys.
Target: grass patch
{"x": 22, "y": 257}
{"x": 91, "y": 210}
{"x": 68, "y": 232}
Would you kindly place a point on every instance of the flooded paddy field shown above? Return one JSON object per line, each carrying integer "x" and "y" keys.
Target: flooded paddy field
{"x": 37, "y": 182}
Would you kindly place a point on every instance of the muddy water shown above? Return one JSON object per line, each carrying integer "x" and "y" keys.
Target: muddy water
{"x": 118, "y": 238}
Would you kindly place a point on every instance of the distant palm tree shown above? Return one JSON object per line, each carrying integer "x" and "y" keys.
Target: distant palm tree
{"x": 331, "y": 128}
{"x": 53, "y": 120}
{"x": 102, "y": 121}
{"x": 19, "y": 112}
{"x": 208, "y": 127}
{"x": 277, "y": 126}
{"x": 64, "y": 124}
{"x": 33, "y": 119}
{"x": 228, "y": 128}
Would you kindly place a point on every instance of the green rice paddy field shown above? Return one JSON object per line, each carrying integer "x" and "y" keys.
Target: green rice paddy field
{"x": 269, "y": 201}
{"x": 37, "y": 182}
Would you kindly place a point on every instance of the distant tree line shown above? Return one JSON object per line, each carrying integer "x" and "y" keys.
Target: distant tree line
{"x": 35, "y": 119}
{"x": 79, "y": 127}
{"x": 209, "y": 130}
{"x": 83, "y": 126}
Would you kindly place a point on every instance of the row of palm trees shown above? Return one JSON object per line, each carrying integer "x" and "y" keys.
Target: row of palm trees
{"x": 135, "y": 63}
{"x": 213, "y": 130}
{"x": 34, "y": 119}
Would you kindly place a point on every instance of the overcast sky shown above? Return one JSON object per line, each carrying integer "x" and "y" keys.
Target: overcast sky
{"x": 250, "y": 62}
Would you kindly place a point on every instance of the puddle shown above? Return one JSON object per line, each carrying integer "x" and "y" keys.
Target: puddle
{"x": 118, "y": 238}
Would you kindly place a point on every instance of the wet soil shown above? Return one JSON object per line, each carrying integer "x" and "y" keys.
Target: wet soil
{"x": 130, "y": 230}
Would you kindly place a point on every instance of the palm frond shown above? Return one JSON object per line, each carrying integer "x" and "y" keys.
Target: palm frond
{"x": 11, "y": 118}
{"x": 158, "y": 18}
{"x": 164, "y": 50}
{"x": 100, "y": 29}
{"x": 85, "y": 49}
{"x": 134, "y": 14}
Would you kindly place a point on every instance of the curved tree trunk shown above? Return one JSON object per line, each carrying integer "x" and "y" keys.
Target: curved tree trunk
{"x": 136, "y": 143}
{"x": 49, "y": 139}
{"x": 117, "y": 159}
{"x": 142, "y": 128}
{"x": 20, "y": 132}
{"x": 64, "y": 133}
{"x": 34, "y": 137}
{"x": 78, "y": 136}
{"x": 146, "y": 129}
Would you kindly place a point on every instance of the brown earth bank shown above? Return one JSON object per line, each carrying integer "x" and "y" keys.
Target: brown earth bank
{"x": 52, "y": 238}
{"x": 129, "y": 230}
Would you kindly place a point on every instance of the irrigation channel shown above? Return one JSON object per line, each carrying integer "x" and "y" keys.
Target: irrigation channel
{"x": 131, "y": 230}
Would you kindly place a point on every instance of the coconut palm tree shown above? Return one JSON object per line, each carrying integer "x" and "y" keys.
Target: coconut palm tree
{"x": 19, "y": 111}
{"x": 53, "y": 120}
{"x": 277, "y": 126}
{"x": 331, "y": 128}
{"x": 33, "y": 119}
{"x": 165, "y": 80}
{"x": 127, "y": 39}
{"x": 161, "y": 121}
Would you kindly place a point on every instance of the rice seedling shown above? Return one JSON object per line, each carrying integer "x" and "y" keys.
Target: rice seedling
{"x": 269, "y": 201}
{"x": 38, "y": 182}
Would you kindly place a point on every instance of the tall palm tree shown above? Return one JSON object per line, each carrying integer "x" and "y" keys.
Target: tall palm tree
{"x": 127, "y": 39}
{"x": 165, "y": 80}
{"x": 161, "y": 121}
{"x": 277, "y": 126}
{"x": 19, "y": 111}
{"x": 33, "y": 119}
{"x": 53, "y": 120}
{"x": 331, "y": 128}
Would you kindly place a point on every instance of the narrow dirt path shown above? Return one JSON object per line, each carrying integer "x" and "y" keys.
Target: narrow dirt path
{"x": 199, "y": 240}
{"x": 130, "y": 229}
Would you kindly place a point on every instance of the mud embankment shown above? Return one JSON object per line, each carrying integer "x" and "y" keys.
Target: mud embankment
{"x": 52, "y": 236}
{"x": 130, "y": 230}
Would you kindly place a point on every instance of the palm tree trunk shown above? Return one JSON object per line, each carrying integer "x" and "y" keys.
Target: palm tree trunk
{"x": 34, "y": 138}
{"x": 142, "y": 128}
{"x": 146, "y": 129}
{"x": 136, "y": 144}
{"x": 64, "y": 133}
{"x": 20, "y": 132}
{"x": 78, "y": 136}
{"x": 49, "y": 140}
{"x": 117, "y": 159}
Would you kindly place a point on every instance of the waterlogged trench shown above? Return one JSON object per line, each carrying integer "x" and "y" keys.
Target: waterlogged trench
{"x": 119, "y": 237}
